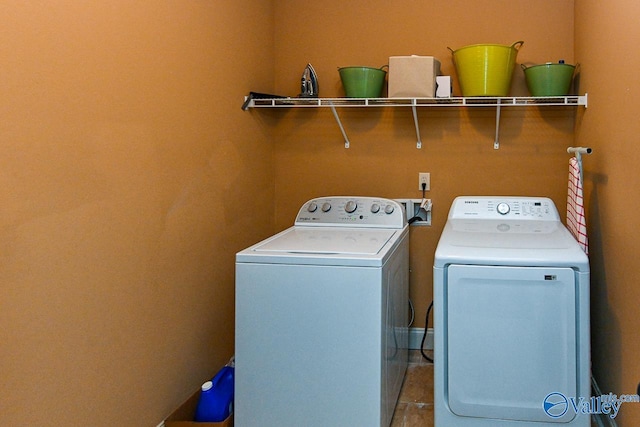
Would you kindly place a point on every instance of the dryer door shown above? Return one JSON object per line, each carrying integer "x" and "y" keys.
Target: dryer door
{"x": 510, "y": 341}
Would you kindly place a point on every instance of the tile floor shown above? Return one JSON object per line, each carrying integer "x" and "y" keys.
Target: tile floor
{"x": 415, "y": 404}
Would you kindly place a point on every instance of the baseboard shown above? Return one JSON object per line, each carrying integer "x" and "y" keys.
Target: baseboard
{"x": 415, "y": 339}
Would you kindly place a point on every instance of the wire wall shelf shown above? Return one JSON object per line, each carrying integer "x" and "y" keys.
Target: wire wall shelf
{"x": 415, "y": 103}
{"x": 511, "y": 101}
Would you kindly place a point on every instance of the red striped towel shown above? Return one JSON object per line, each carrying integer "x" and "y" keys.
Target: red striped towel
{"x": 576, "y": 222}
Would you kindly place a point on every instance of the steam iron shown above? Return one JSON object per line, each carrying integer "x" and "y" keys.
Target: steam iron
{"x": 309, "y": 83}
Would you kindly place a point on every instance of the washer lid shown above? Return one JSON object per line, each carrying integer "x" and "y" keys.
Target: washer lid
{"x": 327, "y": 246}
{"x": 312, "y": 240}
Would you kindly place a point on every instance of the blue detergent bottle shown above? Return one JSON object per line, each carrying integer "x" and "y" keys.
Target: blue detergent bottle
{"x": 216, "y": 397}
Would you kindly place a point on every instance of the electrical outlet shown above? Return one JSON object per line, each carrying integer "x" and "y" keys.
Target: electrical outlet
{"x": 424, "y": 178}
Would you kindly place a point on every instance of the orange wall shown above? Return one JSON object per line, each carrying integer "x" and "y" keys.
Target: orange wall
{"x": 127, "y": 172}
{"x": 607, "y": 37}
{"x": 457, "y": 144}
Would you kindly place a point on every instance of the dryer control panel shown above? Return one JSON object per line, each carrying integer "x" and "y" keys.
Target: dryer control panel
{"x": 352, "y": 212}
{"x": 507, "y": 208}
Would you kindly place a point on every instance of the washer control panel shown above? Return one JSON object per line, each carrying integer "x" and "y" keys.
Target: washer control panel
{"x": 507, "y": 208}
{"x": 352, "y": 212}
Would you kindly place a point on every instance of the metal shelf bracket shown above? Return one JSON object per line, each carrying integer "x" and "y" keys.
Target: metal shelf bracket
{"x": 344, "y": 134}
{"x": 496, "y": 143}
{"x": 415, "y": 121}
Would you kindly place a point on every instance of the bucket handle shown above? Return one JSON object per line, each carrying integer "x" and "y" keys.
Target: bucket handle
{"x": 518, "y": 43}
{"x": 386, "y": 65}
{"x": 575, "y": 68}
{"x": 453, "y": 55}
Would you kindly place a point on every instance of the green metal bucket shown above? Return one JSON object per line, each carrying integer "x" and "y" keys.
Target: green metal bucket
{"x": 550, "y": 79}
{"x": 362, "y": 82}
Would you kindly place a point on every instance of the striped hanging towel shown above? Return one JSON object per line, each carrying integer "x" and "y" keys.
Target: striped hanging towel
{"x": 576, "y": 222}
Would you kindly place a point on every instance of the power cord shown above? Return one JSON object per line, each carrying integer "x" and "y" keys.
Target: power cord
{"x": 413, "y": 313}
{"x": 415, "y": 218}
{"x": 416, "y": 214}
{"x": 424, "y": 336}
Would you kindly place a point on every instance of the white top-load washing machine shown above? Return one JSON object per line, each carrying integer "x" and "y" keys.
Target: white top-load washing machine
{"x": 511, "y": 317}
{"x": 321, "y": 317}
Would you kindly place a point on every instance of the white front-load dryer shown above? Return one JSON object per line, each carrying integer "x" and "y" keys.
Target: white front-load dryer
{"x": 511, "y": 317}
{"x": 321, "y": 318}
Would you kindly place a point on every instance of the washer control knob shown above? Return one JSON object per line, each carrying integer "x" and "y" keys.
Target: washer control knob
{"x": 375, "y": 208}
{"x": 388, "y": 209}
{"x": 313, "y": 206}
{"x": 326, "y": 207}
{"x": 503, "y": 208}
{"x": 351, "y": 206}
